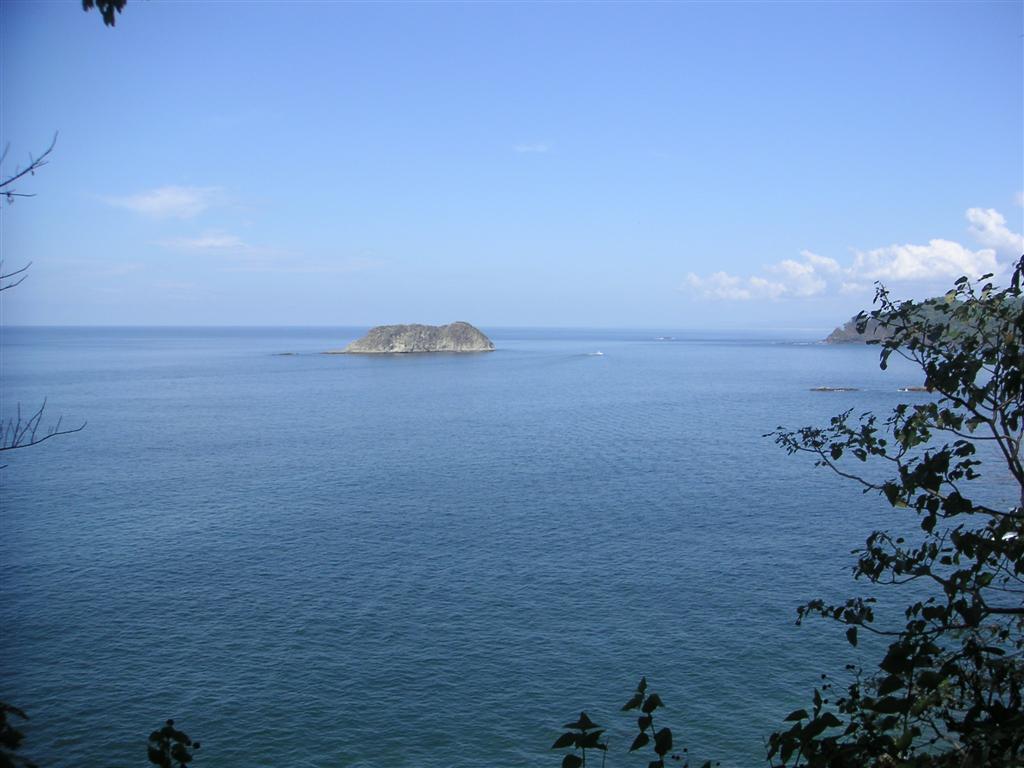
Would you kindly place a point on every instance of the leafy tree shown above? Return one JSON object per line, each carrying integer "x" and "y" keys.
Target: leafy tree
{"x": 948, "y": 690}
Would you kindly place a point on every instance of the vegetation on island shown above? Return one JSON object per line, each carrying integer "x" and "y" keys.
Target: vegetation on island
{"x": 394, "y": 339}
{"x": 848, "y": 332}
{"x": 867, "y": 329}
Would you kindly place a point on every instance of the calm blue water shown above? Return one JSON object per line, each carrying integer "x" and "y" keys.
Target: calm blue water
{"x": 319, "y": 560}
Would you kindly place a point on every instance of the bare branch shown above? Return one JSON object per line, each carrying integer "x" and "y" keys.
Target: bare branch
{"x": 35, "y": 163}
{"x": 7, "y": 276}
{"x": 23, "y": 432}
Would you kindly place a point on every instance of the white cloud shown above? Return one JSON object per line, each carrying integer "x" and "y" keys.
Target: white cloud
{"x": 211, "y": 242}
{"x": 169, "y": 202}
{"x": 815, "y": 275}
{"x": 718, "y": 285}
{"x": 299, "y": 266}
{"x": 791, "y": 278}
{"x": 236, "y": 255}
{"x": 939, "y": 259}
{"x": 988, "y": 227}
{"x": 799, "y": 278}
{"x": 761, "y": 288}
{"x": 722, "y": 285}
{"x": 821, "y": 263}
{"x": 541, "y": 146}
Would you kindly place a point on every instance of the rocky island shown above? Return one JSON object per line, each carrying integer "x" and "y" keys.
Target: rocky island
{"x": 390, "y": 339}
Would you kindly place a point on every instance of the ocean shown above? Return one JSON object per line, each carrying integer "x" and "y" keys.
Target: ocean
{"x": 424, "y": 560}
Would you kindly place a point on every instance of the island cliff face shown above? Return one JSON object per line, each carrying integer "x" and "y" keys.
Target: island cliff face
{"x": 389, "y": 339}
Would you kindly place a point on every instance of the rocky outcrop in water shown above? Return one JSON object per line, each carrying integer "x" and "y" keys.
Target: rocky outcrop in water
{"x": 389, "y": 339}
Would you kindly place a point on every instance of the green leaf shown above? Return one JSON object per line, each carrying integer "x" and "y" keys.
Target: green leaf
{"x": 830, "y": 720}
{"x": 639, "y": 742}
{"x": 894, "y": 494}
{"x": 663, "y": 742}
{"x": 565, "y": 740}
{"x": 889, "y": 705}
{"x": 583, "y": 724}
{"x": 797, "y": 714}
{"x": 652, "y": 703}
{"x": 904, "y": 741}
{"x": 814, "y": 728}
{"x": 787, "y": 751}
{"x": 851, "y": 636}
{"x": 572, "y": 761}
{"x": 589, "y": 740}
{"x": 179, "y": 753}
{"x": 928, "y": 680}
{"x": 634, "y": 702}
{"x": 890, "y": 684}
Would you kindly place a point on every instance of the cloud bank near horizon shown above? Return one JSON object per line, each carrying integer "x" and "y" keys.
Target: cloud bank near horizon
{"x": 814, "y": 275}
{"x": 169, "y": 202}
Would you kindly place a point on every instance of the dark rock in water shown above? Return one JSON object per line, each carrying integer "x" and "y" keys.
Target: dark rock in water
{"x": 389, "y": 339}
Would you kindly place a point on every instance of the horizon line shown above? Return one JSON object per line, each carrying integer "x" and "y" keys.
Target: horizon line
{"x": 736, "y": 328}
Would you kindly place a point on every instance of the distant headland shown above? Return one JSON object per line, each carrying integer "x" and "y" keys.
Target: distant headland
{"x": 391, "y": 339}
{"x": 848, "y": 334}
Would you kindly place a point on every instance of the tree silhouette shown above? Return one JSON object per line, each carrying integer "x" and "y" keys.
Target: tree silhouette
{"x": 108, "y": 8}
{"x": 948, "y": 691}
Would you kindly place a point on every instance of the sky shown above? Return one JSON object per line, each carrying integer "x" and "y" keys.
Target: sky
{"x": 611, "y": 165}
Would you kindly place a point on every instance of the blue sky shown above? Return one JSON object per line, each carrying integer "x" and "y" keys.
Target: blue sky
{"x": 663, "y": 165}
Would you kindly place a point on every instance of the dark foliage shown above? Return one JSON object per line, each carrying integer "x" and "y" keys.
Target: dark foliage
{"x": 584, "y": 734}
{"x": 948, "y": 690}
{"x": 11, "y": 738}
{"x": 108, "y": 8}
{"x": 170, "y": 748}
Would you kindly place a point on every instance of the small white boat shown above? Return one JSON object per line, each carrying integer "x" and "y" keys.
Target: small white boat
{"x": 599, "y": 353}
